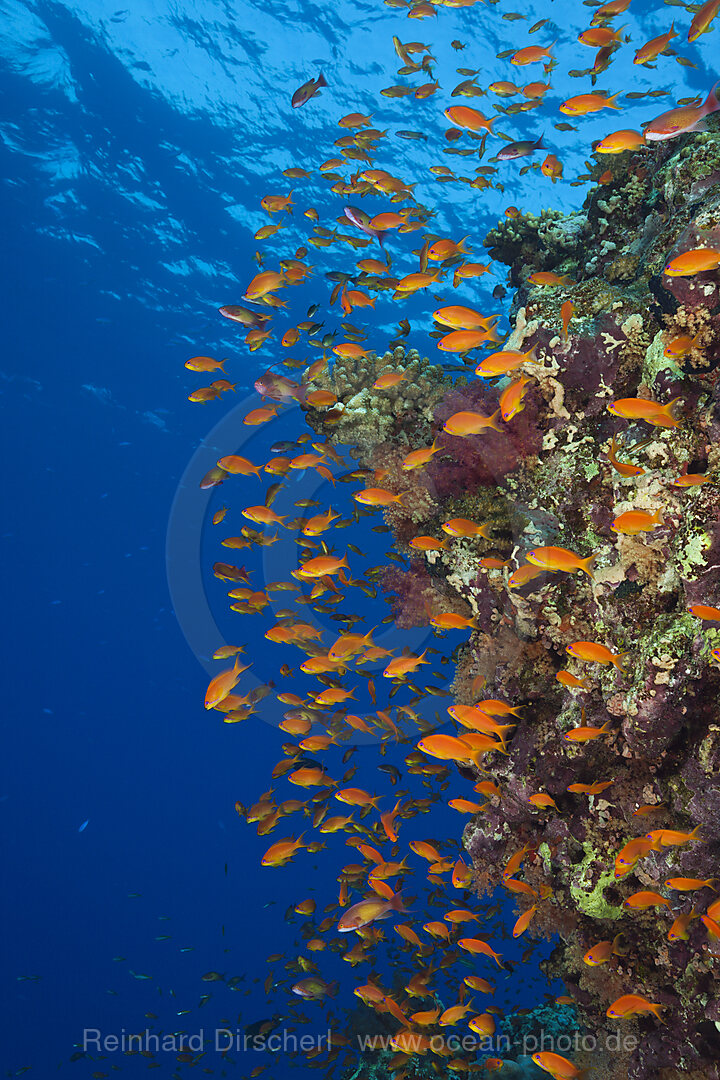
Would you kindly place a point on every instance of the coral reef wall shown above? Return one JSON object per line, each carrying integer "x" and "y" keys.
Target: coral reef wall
{"x": 546, "y": 479}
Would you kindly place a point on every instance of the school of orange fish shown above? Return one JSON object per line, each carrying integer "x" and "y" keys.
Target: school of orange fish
{"x": 320, "y": 717}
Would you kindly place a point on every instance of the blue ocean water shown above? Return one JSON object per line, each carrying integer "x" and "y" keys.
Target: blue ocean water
{"x": 136, "y": 146}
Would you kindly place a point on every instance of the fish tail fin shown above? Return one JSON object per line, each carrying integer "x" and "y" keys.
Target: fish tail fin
{"x": 712, "y": 104}
{"x": 461, "y": 245}
{"x": 585, "y": 565}
{"x": 493, "y": 421}
{"x": 610, "y": 102}
{"x": 321, "y": 81}
{"x": 380, "y": 234}
{"x": 332, "y": 988}
{"x": 619, "y": 660}
{"x": 656, "y": 1009}
{"x": 668, "y": 409}
{"x": 397, "y": 903}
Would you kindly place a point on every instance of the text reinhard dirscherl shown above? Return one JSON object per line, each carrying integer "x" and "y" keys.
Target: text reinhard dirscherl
{"x": 224, "y": 1040}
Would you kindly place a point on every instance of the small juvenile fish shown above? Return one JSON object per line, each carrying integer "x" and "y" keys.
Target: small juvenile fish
{"x": 523, "y": 148}
{"x": 307, "y": 90}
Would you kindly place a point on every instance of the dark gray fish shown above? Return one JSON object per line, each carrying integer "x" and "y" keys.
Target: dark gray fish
{"x": 520, "y": 149}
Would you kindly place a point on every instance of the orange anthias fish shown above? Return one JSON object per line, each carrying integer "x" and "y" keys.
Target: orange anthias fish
{"x": 403, "y": 665}
{"x": 446, "y": 747}
{"x": 642, "y": 409}
{"x": 445, "y": 249}
{"x": 586, "y": 734}
{"x": 464, "y": 527}
{"x": 548, "y": 277}
{"x": 681, "y": 345}
{"x": 223, "y": 684}
{"x": 601, "y": 953}
{"x": 418, "y": 458}
{"x": 378, "y": 497}
{"x": 463, "y": 318}
{"x": 557, "y": 558}
{"x": 652, "y": 49}
{"x": 282, "y": 851}
{"x": 462, "y": 341}
{"x": 390, "y": 379}
{"x": 702, "y": 19}
{"x": 631, "y": 853}
{"x": 558, "y": 1067}
{"x": 531, "y": 54}
{"x": 677, "y": 121}
{"x": 463, "y": 116}
{"x": 368, "y": 911}
{"x": 697, "y": 261}
{"x": 595, "y": 653}
{"x": 704, "y": 611}
{"x": 322, "y": 565}
{"x": 680, "y": 929}
{"x": 501, "y": 363}
{"x": 552, "y": 167}
{"x": 633, "y": 1005}
{"x": 477, "y": 946}
{"x": 566, "y": 678}
{"x": 204, "y": 363}
{"x": 633, "y": 522}
{"x": 619, "y": 141}
{"x": 582, "y": 104}
{"x": 463, "y": 424}
{"x": 646, "y": 899}
{"x": 566, "y": 314}
{"x": 624, "y": 467}
{"x": 689, "y": 884}
{"x": 511, "y": 399}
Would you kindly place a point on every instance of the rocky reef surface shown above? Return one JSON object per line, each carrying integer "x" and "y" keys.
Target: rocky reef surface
{"x": 546, "y": 479}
